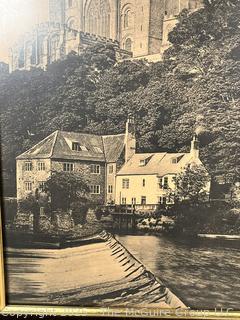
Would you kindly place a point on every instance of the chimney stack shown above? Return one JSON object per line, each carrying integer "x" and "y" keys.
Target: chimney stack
{"x": 195, "y": 147}
{"x": 130, "y": 139}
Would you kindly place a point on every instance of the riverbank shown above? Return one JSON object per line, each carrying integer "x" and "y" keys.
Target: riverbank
{"x": 96, "y": 274}
{"x": 219, "y": 237}
{"x": 188, "y": 219}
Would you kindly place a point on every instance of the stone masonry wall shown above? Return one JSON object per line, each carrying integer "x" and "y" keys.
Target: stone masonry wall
{"x": 84, "y": 168}
{"x": 34, "y": 176}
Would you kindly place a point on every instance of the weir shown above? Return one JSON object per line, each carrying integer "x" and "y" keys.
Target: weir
{"x": 101, "y": 273}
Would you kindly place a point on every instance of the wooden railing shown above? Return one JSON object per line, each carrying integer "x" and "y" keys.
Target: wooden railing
{"x": 135, "y": 208}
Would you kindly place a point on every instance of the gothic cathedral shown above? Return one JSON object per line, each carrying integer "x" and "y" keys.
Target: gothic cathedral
{"x": 138, "y": 29}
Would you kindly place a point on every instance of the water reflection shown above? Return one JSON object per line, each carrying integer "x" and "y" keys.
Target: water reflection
{"x": 204, "y": 274}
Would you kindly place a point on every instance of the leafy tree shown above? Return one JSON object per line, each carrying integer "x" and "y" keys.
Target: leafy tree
{"x": 190, "y": 206}
{"x": 217, "y": 19}
{"x": 67, "y": 189}
{"x": 191, "y": 185}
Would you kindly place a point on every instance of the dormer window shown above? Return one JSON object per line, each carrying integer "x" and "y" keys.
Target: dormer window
{"x": 144, "y": 162}
{"x": 97, "y": 150}
{"x": 77, "y": 147}
{"x": 175, "y": 160}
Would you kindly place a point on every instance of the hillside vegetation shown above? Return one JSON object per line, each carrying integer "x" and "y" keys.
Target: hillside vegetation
{"x": 195, "y": 87}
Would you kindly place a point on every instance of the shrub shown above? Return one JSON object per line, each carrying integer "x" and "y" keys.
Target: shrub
{"x": 79, "y": 213}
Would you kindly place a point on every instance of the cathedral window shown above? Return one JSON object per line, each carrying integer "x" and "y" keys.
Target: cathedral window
{"x": 98, "y": 18}
{"x": 128, "y": 44}
{"x": 54, "y": 47}
{"x": 70, "y": 3}
{"x": 126, "y": 19}
{"x": 72, "y": 34}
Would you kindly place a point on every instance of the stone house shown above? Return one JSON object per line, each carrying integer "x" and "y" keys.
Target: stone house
{"x": 97, "y": 158}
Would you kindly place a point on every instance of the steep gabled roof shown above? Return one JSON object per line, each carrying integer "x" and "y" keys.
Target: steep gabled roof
{"x": 58, "y": 145}
{"x": 42, "y": 150}
{"x": 113, "y": 146}
{"x": 156, "y": 163}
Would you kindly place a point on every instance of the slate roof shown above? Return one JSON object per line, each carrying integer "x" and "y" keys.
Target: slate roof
{"x": 113, "y": 146}
{"x": 63, "y": 146}
{"x": 41, "y": 150}
{"x": 157, "y": 163}
{"x": 58, "y": 145}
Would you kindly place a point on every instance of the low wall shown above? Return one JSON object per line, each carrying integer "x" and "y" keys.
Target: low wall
{"x": 59, "y": 222}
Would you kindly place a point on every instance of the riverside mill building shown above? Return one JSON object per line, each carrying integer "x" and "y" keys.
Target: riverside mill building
{"x": 137, "y": 28}
{"x": 116, "y": 172}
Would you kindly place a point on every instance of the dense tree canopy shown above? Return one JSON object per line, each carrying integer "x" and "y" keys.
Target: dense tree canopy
{"x": 195, "y": 87}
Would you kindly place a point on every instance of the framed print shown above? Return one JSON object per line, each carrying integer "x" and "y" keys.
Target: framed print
{"x": 120, "y": 186}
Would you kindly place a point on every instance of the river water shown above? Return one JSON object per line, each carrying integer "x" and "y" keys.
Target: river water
{"x": 205, "y": 274}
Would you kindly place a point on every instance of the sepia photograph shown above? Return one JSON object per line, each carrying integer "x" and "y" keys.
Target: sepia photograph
{"x": 120, "y": 157}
